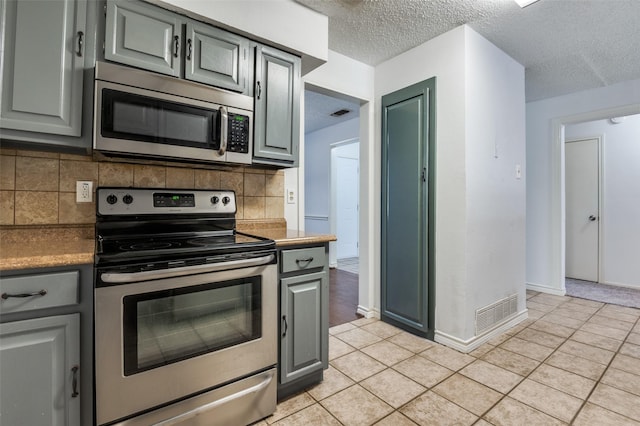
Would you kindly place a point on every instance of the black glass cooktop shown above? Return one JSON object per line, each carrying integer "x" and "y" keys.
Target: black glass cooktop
{"x": 123, "y": 248}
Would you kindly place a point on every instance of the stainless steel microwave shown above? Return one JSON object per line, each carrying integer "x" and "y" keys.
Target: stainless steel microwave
{"x": 143, "y": 114}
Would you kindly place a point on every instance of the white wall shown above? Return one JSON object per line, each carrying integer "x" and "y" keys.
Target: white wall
{"x": 545, "y": 158}
{"x": 620, "y": 218}
{"x": 479, "y": 204}
{"x": 279, "y": 23}
{"x": 317, "y": 176}
{"x": 496, "y": 198}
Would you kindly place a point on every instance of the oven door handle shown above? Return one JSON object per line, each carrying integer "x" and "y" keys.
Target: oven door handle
{"x": 122, "y": 278}
{"x": 210, "y": 406}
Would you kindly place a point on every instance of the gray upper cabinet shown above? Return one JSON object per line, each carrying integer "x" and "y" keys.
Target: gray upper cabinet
{"x": 143, "y": 36}
{"x": 155, "y": 39}
{"x": 43, "y": 47}
{"x": 216, "y": 57}
{"x": 277, "y": 107}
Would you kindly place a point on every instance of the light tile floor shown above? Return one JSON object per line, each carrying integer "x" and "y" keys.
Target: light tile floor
{"x": 573, "y": 361}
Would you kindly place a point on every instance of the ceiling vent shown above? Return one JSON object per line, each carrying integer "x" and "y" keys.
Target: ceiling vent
{"x": 340, "y": 112}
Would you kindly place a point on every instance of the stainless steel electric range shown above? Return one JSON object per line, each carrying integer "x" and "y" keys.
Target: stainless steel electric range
{"x": 185, "y": 311}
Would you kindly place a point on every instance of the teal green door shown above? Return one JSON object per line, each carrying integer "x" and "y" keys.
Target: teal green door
{"x": 408, "y": 119}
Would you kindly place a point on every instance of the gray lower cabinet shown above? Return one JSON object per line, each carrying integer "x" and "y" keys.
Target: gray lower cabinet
{"x": 304, "y": 317}
{"x": 277, "y": 107}
{"x": 143, "y": 36}
{"x": 39, "y": 361}
{"x": 46, "y": 347}
{"x": 44, "y": 45}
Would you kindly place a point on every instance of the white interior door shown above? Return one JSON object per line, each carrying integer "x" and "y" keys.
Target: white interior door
{"x": 347, "y": 207}
{"x": 582, "y": 209}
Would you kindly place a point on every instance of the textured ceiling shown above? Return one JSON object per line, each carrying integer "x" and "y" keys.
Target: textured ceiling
{"x": 565, "y": 45}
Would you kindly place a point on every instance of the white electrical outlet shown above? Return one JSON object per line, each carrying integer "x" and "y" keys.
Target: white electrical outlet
{"x": 84, "y": 191}
{"x": 291, "y": 196}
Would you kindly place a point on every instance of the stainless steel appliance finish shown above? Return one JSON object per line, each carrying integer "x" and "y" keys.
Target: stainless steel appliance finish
{"x": 185, "y": 311}
{"x": 142, "y": 114}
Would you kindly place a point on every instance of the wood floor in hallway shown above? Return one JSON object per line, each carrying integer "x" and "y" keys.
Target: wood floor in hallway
{"x": 343, "y": 297}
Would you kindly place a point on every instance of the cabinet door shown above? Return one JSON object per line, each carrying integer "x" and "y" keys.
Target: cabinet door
{"x": 42, "y": 65}
{"x": 216, "y": 57}
{"x": 277, "y": 107}
{"x": 143, "y": 36}
{"x": 37, "y": 358}
{"x": 302, "y": 313}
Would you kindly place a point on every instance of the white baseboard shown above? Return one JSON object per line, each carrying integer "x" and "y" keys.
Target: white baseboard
{"x": 637, "y": 287}
{"x": 368, "y": 313}
{"x": 546, "y": 289}
{"x": 466, "y": 346}
{"x": 333, "y": 265}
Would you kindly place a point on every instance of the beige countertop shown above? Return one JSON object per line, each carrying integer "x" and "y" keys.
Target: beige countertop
{"x": 42, "y": 254}
{"x": 276, "y": 229}
{"x": 289, "y": 237}
{"x": 45, "y": 246}
{"x": 41, "y": 247}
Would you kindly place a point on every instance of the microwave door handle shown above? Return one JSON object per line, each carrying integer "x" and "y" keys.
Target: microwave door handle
{"x": 224, "y": 126}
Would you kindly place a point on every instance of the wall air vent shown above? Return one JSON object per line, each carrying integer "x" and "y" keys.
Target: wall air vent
{"x": 496, "y": 313}
{"x": 340, "y": 112}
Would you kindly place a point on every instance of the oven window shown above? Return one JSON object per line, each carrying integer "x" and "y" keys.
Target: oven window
{"x": 142, "y": 118}
{"x": 169, "y": 326}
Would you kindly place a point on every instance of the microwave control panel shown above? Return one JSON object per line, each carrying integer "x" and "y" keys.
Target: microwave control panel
{"x": 238, "y": 133}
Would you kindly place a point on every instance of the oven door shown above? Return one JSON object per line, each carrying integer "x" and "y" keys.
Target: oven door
{"x": 168, "y": 339}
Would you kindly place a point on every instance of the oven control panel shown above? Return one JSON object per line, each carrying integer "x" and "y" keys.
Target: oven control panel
{"x": 141, "y": 201}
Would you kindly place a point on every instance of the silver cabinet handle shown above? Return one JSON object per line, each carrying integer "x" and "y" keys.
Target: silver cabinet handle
{"x": 80, "y": 43}
{"x": 42, "y": 292}
{"x": 189, "y": 47}
{"x": 176, "y": 40}
{"x": 259, "y": 89}
{"x": 305, "y": 260}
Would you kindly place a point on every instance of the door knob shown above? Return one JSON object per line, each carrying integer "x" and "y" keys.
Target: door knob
{"x": 592, "y": 218}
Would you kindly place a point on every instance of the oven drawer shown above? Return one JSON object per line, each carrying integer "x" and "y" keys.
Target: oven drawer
{"x": 30, "y": 292}
{"x": 243, "y": 402}
{"x": 302, "y": 259}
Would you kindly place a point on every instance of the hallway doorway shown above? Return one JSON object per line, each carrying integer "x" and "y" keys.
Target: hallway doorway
{"x": 331, "y": 179}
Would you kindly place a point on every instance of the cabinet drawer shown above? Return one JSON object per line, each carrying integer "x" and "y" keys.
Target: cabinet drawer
{"x": 49, "y": 290}
{"x": 303, "y": 259}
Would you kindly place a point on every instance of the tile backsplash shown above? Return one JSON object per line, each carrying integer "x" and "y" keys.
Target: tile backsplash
{"x": 38, "y": 188}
